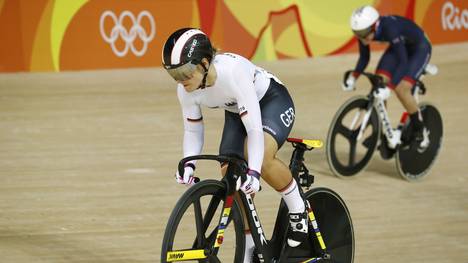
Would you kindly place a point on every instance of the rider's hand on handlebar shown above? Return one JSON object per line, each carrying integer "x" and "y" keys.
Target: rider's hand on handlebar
{"x": 251, "y": 184}
{"x": 348, "y": 82}
{"x": 187, "y": 178}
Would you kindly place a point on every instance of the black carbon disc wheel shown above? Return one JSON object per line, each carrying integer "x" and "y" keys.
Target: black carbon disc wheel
{"x": 413, "y": 163}
{"x": 193, "y": 225}
{"x": 346, "y": 155}
{"x": 334, "y": 222}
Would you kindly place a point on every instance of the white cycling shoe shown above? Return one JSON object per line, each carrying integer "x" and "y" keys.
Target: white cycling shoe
{"x": 298, "y": 228}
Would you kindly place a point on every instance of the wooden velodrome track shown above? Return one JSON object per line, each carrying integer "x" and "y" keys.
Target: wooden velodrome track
{"x": 87, "y": 162}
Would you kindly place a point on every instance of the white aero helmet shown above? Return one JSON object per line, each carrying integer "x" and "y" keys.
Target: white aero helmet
{"x": 363, "y": 20}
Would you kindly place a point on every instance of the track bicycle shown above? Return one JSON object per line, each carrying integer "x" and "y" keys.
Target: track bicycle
{"x": 207, "y": 225}
{"x": 361, "y": 121}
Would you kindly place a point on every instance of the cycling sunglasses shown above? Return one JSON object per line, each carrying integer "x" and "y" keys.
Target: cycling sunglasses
{"x": 181, "y": 73}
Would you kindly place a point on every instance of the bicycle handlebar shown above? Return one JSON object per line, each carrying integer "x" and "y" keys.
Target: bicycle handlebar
{"x": 378, "y": 81}
{"x": 375, "y": 80}
{"x": 240, "y": 163}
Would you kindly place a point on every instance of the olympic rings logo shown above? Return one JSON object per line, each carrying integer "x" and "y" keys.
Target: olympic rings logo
{"x": 128, "y": 36}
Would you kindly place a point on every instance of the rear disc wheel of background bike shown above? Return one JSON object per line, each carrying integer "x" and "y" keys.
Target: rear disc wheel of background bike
{"x": 193, "y": 225}
{"x": 413, "y": 163}
{"x": 334, "y": 222}
{"x": 346, "y": 155}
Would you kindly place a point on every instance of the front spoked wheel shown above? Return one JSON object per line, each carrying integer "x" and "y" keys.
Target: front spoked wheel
{"x": 191, "y": 231}
{"x": 414, "y": 163}
{"x": 347, "y": 154}
{"x": 334, "y": 222}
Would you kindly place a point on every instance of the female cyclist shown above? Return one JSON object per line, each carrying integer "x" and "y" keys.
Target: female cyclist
{"x": 259, "y": 114}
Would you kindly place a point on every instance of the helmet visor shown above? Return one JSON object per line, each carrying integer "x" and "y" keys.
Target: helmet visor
{"x": 363, "y": 33}
{"x": 183, "y": 72}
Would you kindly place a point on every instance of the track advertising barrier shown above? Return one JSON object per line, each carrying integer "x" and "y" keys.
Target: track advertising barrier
{"x": 59, "y": 35}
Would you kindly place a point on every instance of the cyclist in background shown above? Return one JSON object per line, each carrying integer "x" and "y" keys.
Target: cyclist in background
{"x": 401, "y": 64}
{"x": 259, "y": 115}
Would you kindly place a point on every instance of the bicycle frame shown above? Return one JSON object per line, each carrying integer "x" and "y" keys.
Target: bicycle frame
{"x": 264, "y": 247}
{"x": 393, "y": 135}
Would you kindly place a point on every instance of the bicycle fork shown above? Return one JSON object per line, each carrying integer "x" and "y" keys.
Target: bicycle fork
{"x": 206, "y": 253}
{"x": 253, "y": 219}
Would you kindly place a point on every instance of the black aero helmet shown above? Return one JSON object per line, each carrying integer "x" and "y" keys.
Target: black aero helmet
{"x": 186, "y": 45}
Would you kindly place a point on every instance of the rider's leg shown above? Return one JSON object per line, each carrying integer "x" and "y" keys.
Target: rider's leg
{"x": 232, "y": 144}
{"x": 418, "y": 57}
{"x": 403, "y": 91}
{"x": 278, "y": 176}
{"x": 387, "y": 65}
{"x": 386, "y": 68}
{"x": 249, "y": 247}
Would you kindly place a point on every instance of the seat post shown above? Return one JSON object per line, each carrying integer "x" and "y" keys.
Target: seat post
{"x": 297, "y": 158}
